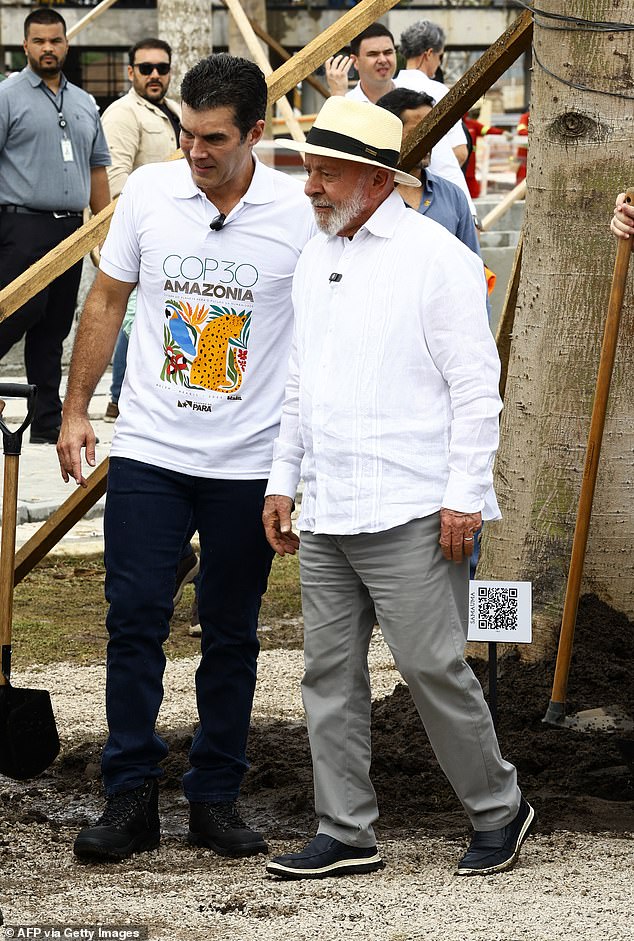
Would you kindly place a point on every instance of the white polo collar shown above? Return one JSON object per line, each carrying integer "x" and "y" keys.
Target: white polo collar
{"x": 261, "y": 188}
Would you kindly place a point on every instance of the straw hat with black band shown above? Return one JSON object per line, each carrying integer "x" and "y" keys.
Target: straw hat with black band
{"x": 357, "y": 131}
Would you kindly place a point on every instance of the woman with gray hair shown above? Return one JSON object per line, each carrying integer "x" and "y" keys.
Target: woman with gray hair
{"x": 423, "y": 44}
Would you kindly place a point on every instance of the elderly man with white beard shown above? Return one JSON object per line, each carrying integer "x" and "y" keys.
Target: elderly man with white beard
{"x": 391, "y": 419}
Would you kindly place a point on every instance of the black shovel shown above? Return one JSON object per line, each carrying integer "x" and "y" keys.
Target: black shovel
{"x": 29, "y": 742}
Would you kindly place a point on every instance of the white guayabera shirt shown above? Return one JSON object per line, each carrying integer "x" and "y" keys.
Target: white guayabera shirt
{"x": 392, "y": 404}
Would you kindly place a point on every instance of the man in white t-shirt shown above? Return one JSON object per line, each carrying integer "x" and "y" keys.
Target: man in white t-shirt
{"x": 211, "y": 242}
{"x": 373, "y": 54}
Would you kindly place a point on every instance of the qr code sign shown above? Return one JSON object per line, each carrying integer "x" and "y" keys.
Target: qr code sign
{"x": 497, "y": 609}
{"x": 500, "y": 611}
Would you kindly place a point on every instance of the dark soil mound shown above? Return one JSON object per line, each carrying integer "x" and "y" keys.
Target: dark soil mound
{"x": 576, "y": 781}
{"x": 581, "y": 782}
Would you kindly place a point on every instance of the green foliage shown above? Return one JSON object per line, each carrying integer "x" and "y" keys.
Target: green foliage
{"x": 60, "y": 611}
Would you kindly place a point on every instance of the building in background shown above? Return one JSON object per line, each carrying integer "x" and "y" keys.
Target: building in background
{"x": 98, "y": 57}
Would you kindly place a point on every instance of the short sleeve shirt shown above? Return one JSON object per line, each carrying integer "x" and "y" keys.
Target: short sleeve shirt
{"x": 37, "y": 169}
{"x": 209, "y": 347}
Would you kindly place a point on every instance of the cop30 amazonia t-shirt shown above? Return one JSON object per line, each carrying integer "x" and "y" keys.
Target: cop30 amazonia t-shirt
{"x": 208, "y": 354}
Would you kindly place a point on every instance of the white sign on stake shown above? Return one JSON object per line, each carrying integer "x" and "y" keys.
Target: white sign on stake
{"x": 500, "y": 612}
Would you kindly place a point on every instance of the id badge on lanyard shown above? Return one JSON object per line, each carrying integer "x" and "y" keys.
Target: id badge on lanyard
{"x": 67, "y": 150}
{"x": 66, "y": 143}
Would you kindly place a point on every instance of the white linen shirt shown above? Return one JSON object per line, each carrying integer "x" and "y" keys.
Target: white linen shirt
{"x": 392, "y": 400}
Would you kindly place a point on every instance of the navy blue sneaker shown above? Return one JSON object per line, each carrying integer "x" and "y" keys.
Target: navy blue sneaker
{"x": 497, "y": 850}
{"x": 324, "y": 856}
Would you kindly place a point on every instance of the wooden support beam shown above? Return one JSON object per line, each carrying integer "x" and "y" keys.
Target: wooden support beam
{"x": 285, "y": 56}
{"x": 518, "y": 192}
{"x": 58, "y": 260}
{"x": 464, "y": 94}
{"x": 507, "y": 318}
{"x": 62, "y": 520}
{"x": 89, "y": 17}
{"x": 259, "y": 57}
{"x": 326, "y": 44}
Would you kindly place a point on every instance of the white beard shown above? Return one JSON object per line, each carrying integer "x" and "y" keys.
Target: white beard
{"x": 340, "y": 216}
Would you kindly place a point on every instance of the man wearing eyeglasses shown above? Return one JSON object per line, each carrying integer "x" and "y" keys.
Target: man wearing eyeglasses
{"x": 53, "y": 159}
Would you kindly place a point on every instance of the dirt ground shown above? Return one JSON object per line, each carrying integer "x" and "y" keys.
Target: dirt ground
{"x": 574, "y": 879}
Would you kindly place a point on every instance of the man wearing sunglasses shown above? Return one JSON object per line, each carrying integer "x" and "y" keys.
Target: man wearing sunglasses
{"x": 143, "y": 126}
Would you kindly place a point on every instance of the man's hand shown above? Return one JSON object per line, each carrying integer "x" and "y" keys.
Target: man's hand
{"x": 622, "y": 224}
{"x": 75, "y": 434}
{"x": 337, "y": 69}
{"x": 276, "y": 517}
{"x": 457, "y": 533}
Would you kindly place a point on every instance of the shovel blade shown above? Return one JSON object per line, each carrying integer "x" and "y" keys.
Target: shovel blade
{"x": 604, "y": 719}
{"x": 29, "y": 742}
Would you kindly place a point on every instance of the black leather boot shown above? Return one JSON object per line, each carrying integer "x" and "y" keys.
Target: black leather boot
{"x": 129, "y": 824}
{"x": 220, "y": 827}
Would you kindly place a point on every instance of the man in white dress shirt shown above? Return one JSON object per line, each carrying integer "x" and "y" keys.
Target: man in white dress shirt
{"x": 391, "y": 419}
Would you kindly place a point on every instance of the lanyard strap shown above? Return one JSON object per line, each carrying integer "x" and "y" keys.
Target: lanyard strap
{"x": 61, "y": 120}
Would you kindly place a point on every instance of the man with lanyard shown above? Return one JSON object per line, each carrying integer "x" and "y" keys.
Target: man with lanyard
{"x": 142, "y": 127}
{"x": 53, "y": 158}
{"x": 212, "y": 242}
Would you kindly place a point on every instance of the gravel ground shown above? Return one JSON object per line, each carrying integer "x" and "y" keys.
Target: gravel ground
{"x": 566, "y": 886}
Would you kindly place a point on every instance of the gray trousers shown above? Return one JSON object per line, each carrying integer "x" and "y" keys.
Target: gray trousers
{"x": 421, "y": 604}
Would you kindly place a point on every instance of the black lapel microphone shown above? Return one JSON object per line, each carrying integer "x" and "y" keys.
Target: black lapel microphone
{"x": 216, "y": 224}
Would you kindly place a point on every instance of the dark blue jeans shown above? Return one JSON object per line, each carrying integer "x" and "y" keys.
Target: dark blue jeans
{"x": 150, "y": 513}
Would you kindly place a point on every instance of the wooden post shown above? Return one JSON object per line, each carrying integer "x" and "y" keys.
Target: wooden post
{"x": 556, "y": 707}
{"x": 464, "y": 94}
{"x": 518, "y": 192}
{"x": 89, "y": 17}
{"x": 507, "y": 319}
{"x": 285, "y": 56}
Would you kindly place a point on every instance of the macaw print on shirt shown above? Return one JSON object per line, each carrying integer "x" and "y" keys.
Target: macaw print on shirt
{"x": 205, "y": 343}
{"x": 205, "y": 347}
